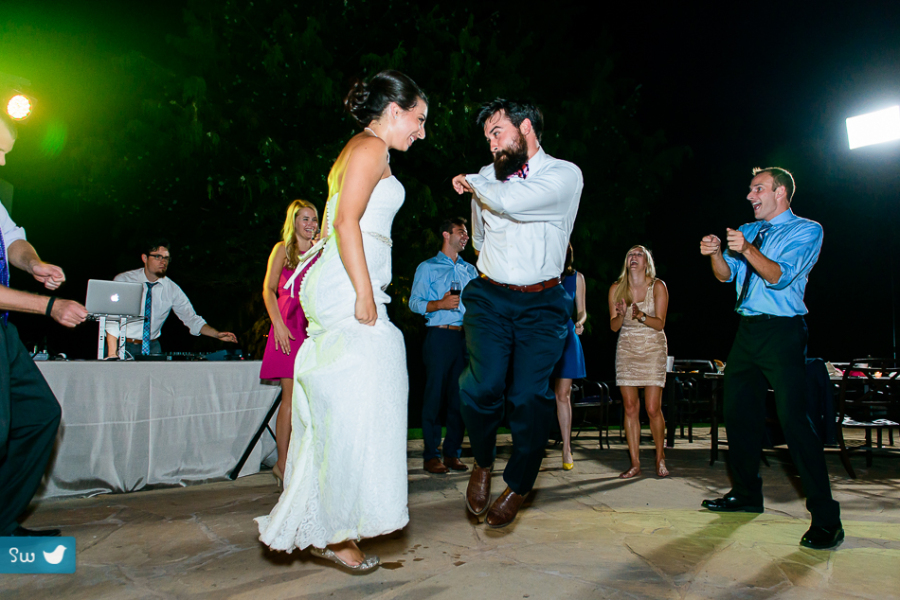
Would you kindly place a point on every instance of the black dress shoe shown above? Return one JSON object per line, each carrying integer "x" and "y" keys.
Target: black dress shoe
{"x": 730, "y": 504}
{"x": 22, "y": 532}
{"x": 822, "y": 538}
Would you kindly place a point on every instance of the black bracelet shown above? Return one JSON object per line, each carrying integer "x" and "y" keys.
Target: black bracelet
{"x": 50, "y": 305}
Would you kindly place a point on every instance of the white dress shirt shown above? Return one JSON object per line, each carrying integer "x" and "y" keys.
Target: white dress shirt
{"x": 521, "y": 227}
{"x": 167, "y": 296}
{"x": 11, "y": 231}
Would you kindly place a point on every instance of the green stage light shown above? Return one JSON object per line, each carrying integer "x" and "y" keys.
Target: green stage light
{"x": 19, "y": 107}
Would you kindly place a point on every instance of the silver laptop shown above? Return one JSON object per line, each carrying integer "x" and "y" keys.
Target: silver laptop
{"x": 114, "y": 298}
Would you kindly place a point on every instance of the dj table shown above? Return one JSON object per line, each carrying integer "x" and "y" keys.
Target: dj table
{"x": 128, "y": 425}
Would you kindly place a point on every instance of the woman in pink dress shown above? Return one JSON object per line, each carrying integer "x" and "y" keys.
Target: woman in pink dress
{"x": 288, "y": 321}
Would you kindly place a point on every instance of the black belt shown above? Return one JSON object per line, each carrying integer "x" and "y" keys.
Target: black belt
{"x": 453, "y": 327}
{"x": 757, "y": 318}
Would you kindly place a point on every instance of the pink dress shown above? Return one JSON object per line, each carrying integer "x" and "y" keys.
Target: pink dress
{"x": 275, "y": 363}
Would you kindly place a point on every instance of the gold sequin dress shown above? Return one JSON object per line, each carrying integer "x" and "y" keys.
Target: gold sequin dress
{"x": 641, "y": 350}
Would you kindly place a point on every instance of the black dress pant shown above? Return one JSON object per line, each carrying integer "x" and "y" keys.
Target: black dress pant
{"x": 29, "y": 419}
{"x": 444, "y": 354}
{"x": 521, "y": 335}
{"x": 772, "y": 353}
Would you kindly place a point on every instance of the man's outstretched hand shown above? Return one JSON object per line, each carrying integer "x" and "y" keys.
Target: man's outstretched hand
{"x": 227, "y": 336}
{"x": 68, "y": 312}
{"x": 50, "y": 275}
{"x": 461, "y": 185}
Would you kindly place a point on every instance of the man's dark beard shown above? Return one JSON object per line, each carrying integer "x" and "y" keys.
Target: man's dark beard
{"x": 510, "y": 160}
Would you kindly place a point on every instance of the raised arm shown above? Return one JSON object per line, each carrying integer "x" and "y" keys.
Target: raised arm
{"x": 23, "y": 255}
{"x": 768, "y": 269}
{"x": 64, "y": 312}
{"x": 711, "y": 246}
{"x": 544, "y": 196}
{"x": 365, "y": 168}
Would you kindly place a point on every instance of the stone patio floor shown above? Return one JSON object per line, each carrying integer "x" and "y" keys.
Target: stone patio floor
{"x": 582, "y": 534}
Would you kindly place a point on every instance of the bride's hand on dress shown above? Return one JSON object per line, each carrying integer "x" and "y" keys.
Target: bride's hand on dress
{"x": 366, "y": 313}
{"x": 283, "y": 338}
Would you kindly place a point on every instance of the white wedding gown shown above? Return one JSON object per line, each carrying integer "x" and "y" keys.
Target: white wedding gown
{"x": 346, "y": 466}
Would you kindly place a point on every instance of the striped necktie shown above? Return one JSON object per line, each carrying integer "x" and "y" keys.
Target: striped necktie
{"x": 757, "y": 243}
{"x": 148, "y": 309}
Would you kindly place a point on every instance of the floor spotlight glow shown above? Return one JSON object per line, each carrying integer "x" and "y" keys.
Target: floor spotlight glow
{"x": 18, "y": 107}
{"x": 874, "y": 128}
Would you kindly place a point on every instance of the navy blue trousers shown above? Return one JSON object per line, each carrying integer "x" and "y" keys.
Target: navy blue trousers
{"x": 29, "y": 419}
{"x": 522, "y": 336}
{"x": 444, "y": 353}
{"x": 772, "y": 353}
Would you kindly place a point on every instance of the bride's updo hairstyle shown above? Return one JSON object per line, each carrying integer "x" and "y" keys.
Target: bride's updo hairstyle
{"x": 366, "y": 101}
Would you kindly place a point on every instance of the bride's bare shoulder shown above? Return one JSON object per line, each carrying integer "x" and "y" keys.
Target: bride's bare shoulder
{"x": 363, "y": 153}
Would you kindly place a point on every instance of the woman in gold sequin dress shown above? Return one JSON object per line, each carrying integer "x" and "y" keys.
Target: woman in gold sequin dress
{"x": 638, "y": 302}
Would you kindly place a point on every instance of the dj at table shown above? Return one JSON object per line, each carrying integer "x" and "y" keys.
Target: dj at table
{"x": 161, "y": 296}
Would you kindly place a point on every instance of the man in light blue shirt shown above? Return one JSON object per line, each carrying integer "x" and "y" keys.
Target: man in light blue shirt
{"x": 444, "y": 350}
{"x": 770, "y": 260}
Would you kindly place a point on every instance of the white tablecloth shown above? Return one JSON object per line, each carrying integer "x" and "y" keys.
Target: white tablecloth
{"x": 127, "y": 425}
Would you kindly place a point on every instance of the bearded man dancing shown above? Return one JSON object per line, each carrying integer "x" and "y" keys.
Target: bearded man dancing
{"x": 523, "y": 211}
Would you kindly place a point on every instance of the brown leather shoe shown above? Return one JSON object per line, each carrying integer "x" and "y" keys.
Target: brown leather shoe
{"x": 455, "y": 464}
{"x": 478, "y": 493}
{"x": 505, "y": 509}
{"x": 434, "y": 465}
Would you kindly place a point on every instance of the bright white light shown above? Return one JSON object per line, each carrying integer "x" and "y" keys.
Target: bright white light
{"x": 18, "y": 107}
{"x": 874, "y": 128}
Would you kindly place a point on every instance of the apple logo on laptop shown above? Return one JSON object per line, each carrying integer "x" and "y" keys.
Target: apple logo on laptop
{"x": 114, "y": 297}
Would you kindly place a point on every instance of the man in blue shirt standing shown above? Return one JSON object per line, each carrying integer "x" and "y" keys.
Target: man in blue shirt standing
{"x": 444, "y": 351}
{"x": 770, "y": 261}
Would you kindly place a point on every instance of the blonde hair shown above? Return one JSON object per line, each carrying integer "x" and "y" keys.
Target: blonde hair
{"x": 288, "y": 232}
{"x": 623, "y": 283}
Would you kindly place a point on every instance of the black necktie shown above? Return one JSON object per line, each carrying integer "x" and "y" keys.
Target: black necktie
{"x": 757, "y": 243}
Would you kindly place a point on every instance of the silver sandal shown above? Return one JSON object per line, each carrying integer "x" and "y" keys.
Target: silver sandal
{"x": 371, "y": 562}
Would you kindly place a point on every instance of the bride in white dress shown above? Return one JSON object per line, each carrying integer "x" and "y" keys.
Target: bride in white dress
{"x": 346, "y": 476}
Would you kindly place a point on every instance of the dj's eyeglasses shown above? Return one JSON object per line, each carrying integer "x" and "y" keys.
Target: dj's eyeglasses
{"x": 161, "y": 257}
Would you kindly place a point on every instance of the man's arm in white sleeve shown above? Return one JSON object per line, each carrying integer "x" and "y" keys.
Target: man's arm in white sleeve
{"x": 184, "y": 310}
{"x": 477, "y": 226}
{"x": 541, "y": 197}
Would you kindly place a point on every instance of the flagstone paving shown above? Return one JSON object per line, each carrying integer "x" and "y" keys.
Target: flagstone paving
{"x": 582, "y": 534}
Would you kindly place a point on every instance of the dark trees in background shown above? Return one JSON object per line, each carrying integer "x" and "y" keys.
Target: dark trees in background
{"x": 211, "y": 144}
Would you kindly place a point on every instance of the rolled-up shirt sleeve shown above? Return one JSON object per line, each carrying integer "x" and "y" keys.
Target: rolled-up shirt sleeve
{"x": 11, "y": 231}
{"x": 737, "y": 264}
{"x": 418, "y": 296}
{"x": 799, "y": 255}
{"x": 183, "y": 308}
{"x": 541, "y": 197}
